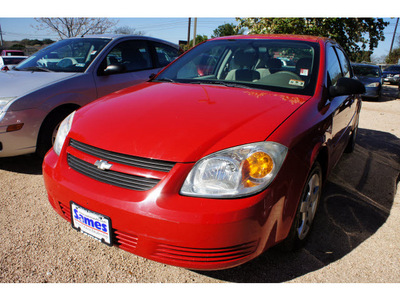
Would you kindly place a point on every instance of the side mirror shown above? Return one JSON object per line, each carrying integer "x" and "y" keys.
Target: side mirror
{"x": 346, "y": 86}
{"x": 113, "y": 69}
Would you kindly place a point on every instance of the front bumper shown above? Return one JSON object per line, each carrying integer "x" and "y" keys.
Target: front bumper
{"x": 22, "y": 141}
{"x": 161, "y": 225}
{"x": 392, "y": 79}
{"x": 372, "y": 92}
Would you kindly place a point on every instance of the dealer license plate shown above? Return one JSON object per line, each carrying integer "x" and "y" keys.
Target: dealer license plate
{"x": 91, "y": 223}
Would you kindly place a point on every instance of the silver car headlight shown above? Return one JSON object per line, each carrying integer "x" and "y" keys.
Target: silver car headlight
{"x": 235, "y": 172}
{"x": 62, "y": 133}
{"x": 373, "y": 84}
{"x": 4, "y": 102}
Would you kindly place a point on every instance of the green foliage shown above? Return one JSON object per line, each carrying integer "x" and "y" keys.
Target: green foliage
{"x": 355, "y": 35}
{"x": 227, "y": 29}
{"x": 128, "y": 30}
{"x": 393, "y": 56}
{"x": 199, "y": 39}
{"x": 17, "y": 47}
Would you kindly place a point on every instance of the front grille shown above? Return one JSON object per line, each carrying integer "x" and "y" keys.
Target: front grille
{"x": 176, "y": 253}
{"x": 124, "y": 174}
{"x": 66, "y": 211}
{"x": 123, "y": 180}
{"x": 125, "y": 241}
{"x": 134, "y": 161}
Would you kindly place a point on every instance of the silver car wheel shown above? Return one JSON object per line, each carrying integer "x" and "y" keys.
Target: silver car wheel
{"x": 308, "y": 205}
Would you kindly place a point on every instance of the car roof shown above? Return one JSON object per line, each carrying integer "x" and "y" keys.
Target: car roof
{"x": 364, "y": 65}
{"x": 125, "y": 36}
{"x": 308, "y": 38}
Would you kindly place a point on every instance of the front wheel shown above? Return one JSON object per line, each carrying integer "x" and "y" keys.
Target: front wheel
{"x": 306, "y": 210}
{"x": 49, "y": 129}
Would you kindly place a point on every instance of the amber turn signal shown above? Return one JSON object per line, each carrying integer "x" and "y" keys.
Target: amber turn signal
{"x": 15, "y": 127}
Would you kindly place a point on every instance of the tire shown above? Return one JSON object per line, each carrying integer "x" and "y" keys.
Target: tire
{"x": 306, "y": 211}
{"x": 48, "y": 130}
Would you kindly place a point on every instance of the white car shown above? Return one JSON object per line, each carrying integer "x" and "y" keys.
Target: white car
{"x": 46, "y": 87}
{"x": 8, "y": 62}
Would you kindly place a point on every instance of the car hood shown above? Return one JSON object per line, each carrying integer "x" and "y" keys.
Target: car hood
{"x": 368, "y": 80}
{"x": 394, "y": 72}
{"x": 20, "y": 83}
{"x": 181, "y": 122}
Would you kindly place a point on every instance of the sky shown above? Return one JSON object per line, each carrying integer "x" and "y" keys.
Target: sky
{"x": 168, "y": 20}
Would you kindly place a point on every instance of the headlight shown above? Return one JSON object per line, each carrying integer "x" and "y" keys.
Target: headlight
{"x": 4, "y": 101}
{"x": 235, "y": 172}
{"x": 373, "y": 84}
{"x": 62, "y": 133}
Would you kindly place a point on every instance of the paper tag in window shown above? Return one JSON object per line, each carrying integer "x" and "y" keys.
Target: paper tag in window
{"x": 304, "y": 72}
{"x": 296, "y": 82}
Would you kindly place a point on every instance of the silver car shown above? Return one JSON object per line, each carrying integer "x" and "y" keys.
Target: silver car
{"x": 42, "y": 90}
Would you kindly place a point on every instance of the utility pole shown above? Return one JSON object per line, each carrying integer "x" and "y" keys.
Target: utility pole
{"x": 394, "y": 35}
{"x": 194, "y": 32}
{"x": 1, "y": 37}
{"x": 188, "y": 39}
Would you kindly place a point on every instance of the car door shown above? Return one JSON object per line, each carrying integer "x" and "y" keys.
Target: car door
{"x": 343, "y": 106}
{"x": 350, "y": 104}
{"x": 135, "y": 60}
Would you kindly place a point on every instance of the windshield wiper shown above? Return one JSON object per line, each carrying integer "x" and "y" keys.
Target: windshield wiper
{"x": 35, "y": 68}
{"x": 224, "y": 83}
{"x": 164, "y": 79}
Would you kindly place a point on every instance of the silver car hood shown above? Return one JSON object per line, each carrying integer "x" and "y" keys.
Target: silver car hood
{"x": 19, "y": 83}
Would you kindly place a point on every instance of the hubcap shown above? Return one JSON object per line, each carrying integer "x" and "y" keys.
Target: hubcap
{"x": 308, "y": 206}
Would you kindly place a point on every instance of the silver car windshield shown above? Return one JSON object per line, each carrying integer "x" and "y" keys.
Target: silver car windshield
{"x": 71, "y": 55}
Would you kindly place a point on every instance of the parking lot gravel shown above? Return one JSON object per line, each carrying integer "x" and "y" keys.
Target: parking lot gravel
{"x": 356, "y": 237}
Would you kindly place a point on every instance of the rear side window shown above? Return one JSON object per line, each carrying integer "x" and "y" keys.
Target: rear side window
{"x": 164, "y": 54}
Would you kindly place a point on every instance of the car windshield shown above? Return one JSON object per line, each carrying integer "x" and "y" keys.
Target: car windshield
{"x": 277, "y": 65}
{"x": 393, "y": 69}
{"x": 366, "y": 71}
{"x": 71, "y": 55}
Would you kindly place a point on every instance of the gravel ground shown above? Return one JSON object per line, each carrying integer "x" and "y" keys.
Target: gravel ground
{"x": 357, "y": 239}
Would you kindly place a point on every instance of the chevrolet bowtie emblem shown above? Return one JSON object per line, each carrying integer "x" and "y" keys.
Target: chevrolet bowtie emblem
{"x": 102, "y": 165}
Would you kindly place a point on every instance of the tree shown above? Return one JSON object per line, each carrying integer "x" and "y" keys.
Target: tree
{"x": 355, "y": 35}
{"x": 71, "y": 27}
{"x": 128, "y": 30}
{"x": 227, "y": 29}
{"x": 199, "y": 39}
{"x": 393, "y": 56}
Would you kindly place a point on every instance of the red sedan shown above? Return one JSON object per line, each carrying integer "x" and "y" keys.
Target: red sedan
{"x": 209, "y": 170}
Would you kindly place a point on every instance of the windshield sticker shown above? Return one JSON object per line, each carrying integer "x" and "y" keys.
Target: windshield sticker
{"x": 304, "y": 72}
{"x": 296, "y": 82}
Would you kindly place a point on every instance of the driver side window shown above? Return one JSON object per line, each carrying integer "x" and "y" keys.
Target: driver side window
{"x": 131, "y": 55}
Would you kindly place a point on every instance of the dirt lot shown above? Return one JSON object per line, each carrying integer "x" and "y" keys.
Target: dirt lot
{"x": 357, "y": 240}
